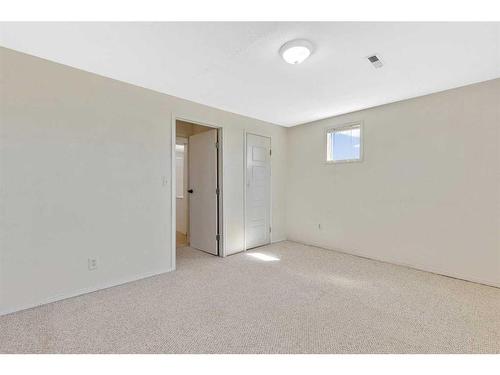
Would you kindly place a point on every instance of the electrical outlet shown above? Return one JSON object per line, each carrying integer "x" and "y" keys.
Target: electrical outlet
{"x": 92, "y": 263}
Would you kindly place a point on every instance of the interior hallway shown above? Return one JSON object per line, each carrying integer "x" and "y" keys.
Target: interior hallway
{"x": 283, "y": 298}
{"x": 180, "y": 240}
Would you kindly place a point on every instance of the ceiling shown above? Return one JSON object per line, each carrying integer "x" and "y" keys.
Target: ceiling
{"x": 236, "y": 66}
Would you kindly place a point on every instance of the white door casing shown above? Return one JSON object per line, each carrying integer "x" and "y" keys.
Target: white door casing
{"x": 203, "y": 199}
{"x": 258, "y": 191}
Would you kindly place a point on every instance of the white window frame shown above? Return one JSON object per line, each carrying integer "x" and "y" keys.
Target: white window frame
{"x": 181, "y": 142}
{"x": 344, "y": 127}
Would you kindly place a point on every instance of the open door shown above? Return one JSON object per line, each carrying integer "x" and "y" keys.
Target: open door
{"x": 203, "y": 191}
{"x": 258, "y": 191}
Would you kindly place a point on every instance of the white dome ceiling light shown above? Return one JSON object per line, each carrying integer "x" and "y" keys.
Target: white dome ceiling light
{"x": 296, "y": 51}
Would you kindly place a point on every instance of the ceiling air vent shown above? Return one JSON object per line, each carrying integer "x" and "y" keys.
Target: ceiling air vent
{"x": 374, "y": 59}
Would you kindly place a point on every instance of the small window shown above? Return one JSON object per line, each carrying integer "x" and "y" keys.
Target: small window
{"x": 179, "y": 169}
{"x": 343, "y": 144}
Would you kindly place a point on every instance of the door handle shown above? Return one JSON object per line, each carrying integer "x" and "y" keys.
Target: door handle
{"x": 190, "y": 191}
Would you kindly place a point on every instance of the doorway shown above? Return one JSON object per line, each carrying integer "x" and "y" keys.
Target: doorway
{"x": 258, "y": 191}
{"x": 198, "y": 187}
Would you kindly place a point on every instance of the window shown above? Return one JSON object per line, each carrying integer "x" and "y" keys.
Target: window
{"x": 179, "y": 170}
{"x": 343, "y": 144}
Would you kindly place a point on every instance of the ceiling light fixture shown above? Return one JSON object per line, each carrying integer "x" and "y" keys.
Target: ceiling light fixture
{"x": 296, "y": 51}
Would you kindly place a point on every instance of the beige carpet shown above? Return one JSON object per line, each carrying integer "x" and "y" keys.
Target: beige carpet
{"x": 309, "y": 301}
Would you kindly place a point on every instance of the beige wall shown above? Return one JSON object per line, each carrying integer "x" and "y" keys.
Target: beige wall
{"x": 82, "y": 164}
{"x": 426, "y": 195}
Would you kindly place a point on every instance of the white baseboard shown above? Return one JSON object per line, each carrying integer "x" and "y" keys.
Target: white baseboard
{"x": 278, "y": 240}
{"x": 60, "y": 297}
{"x": 407, "y": 265}
{"x": 13, "y": 309}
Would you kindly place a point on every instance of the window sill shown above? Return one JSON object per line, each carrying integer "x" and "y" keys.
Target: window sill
{"x": 343, "y": 161}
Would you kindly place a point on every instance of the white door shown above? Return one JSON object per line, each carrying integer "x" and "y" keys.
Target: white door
{"x": 258, "y": 191}
{"x": 203, "y": 191}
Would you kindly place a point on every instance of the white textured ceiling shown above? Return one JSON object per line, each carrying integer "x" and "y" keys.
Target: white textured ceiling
{"x": 236, "y": 66}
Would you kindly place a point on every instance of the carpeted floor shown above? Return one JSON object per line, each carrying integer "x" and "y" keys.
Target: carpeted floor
{"x": 283, "y": 298}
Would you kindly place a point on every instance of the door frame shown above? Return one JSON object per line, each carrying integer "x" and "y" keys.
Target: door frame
{"x": 173, "y": 195}
{"x": 245, "y": 147}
